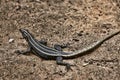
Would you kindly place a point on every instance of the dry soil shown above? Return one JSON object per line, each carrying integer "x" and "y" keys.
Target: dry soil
{"x": 77, "y": 23}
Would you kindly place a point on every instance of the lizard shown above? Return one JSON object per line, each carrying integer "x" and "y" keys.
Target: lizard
{"x": 41, "y": 50}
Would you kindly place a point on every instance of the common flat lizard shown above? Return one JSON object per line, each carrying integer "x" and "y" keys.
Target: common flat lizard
{"x": 50, "y": 53}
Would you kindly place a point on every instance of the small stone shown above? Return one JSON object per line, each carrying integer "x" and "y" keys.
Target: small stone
{"x": 37, "y": 0}
{"x": 11, "y": 40}
{"x": 85, "y": 64}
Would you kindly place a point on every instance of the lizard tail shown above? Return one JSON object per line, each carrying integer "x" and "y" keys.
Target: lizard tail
{"x": 91, "y": 47}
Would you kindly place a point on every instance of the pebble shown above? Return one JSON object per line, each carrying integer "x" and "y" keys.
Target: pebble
{"x": 11, "y": 40}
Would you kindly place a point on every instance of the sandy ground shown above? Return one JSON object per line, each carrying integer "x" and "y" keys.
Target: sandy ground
{"x": 78, "y": 23}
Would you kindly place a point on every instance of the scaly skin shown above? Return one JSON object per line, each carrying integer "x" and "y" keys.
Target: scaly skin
{"x": 51, "y": 53}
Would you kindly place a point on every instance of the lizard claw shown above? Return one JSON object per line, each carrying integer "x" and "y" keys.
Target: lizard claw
{"x": 68, "y": 67}
{"x": 18, "y": 52}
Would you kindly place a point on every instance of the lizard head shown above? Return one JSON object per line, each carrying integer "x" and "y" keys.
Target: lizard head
{"x": 25, "y": 33}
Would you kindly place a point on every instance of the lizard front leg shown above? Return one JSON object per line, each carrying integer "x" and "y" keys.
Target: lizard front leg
{"x": 24, "y": 52}
{"x": 44, "y": 42}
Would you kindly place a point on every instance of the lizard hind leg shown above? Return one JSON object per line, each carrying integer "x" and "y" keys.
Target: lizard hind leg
{"x": 59, "y": 61}
{"x": 60, "y": 47}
